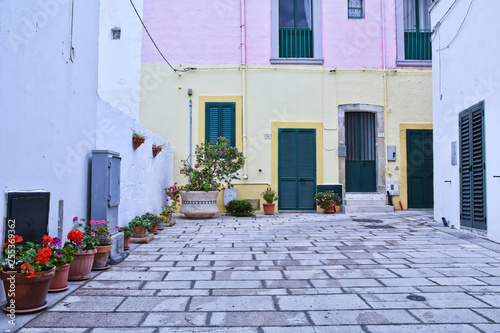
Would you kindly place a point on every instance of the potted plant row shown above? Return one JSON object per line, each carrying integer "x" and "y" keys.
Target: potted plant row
{"x": 216, "y": 166}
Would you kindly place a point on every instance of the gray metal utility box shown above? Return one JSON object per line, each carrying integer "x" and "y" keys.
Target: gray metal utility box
{"x": 105, "y": 187}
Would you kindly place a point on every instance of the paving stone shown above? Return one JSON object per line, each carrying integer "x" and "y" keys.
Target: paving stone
{"x": 315, "y": 329}
{"x": 446, "y": 316}
{"x": 86, "y": 319}
{"x": 315, "y": 291}
{"x": 228, "y": 303}
{"x": 361, "y": 273}
{"x": 407, "y": 282}
{"x": 457, "y": 281}
{"x": 113, "y": 292}
{"x": 122, "y": 330}
{"x": 248, "y": 292}
{"x": 492, "y": 299}
{"x": 183, "y": 292}
{"x": 489, "y": 328}
{"x": 222, "y": 284}
{"x": 422, "y": 329}
{"x": 346, "y": 283}
{"x": 304, "y": 275}
{"x": 248, "y": 275}
{"x": 130, "y": 276}
{"x": 153, "y": 304}
{"x": 433, "y": 300}
{"x": 50, "y": 330}
{"x": 364, "y": 317}
{"x": 287, "y": 284}
{"x": 258, "y": 319}
{"x": 175, "y": 319}
{"x": 88, "y": 303}
{"x": 321, "y": 302}
{"x": 188, "y": 275}
{"x": 106, "y": 284}
{"x": 208, "y": 330}
{"x": 167, "y": 285}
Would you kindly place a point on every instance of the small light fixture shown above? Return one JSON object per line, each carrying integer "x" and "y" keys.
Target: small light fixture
{"x": 116, "y": 33}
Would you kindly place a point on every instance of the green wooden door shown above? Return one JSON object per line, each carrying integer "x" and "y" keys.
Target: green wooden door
{"x": 296, "y": 169}
{"x": 420, "y": 168}
{"x": 360, "y": 143}
{"x": 472, "y": 168}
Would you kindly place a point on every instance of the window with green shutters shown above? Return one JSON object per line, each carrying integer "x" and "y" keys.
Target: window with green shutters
{"x": 220, "y": 120}
{"x": 296, "y": 33}
{"x": 355, "y": 9}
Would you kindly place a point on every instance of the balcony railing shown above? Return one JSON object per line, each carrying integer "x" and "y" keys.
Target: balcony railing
{"x": 296, "y": 43}
{"x": 418, "y": 44}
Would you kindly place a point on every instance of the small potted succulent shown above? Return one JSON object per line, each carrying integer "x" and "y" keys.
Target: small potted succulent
{"x": 270, "y": 197}
{"x": 327, "y": 201}
{"x": 157, "y": 149}
{"x": 138, "y": 139}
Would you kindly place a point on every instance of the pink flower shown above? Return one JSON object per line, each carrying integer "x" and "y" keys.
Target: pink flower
{"x": 178, "y": 201}
{"x": 196, "y": 165}
{"x": 93, "y": 234}
{"x": 117, "y": 227}
{"x": 165, "y": 189}
{"x": 213, "y": 188}
{"x": 75, "y": 218}
{"x": 92, "y": 222}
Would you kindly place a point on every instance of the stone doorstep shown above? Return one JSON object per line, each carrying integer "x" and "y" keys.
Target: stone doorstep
{"x": 142, "y": 240}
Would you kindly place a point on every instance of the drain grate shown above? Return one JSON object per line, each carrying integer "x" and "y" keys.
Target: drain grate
{"x": 416, "y": 298}
{"x": 379, "y": 227}
{"x": 367, "y": 220}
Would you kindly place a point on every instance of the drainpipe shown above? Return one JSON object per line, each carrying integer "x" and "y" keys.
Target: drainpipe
{"x": 244, "y": 84}
{"x": 386, "y": 111}
{"x": 190, "y": 131}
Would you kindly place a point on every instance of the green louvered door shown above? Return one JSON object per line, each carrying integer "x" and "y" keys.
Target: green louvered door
{"x": 360, "y": 143}
{"x": 420, "y": 168}
{"x": 472, "y": 168}
{"x": 220, "y": 120}
{"x": 296, "y": 169}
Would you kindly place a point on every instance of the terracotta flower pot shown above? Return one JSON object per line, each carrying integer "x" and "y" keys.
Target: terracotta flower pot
{"x": 154, "y": 229}
{"x": 168, "y": 216}
{"x": 139, "y": 232}
{"x": 331, "y": 209}
{"x": 156, "y": 151}
{"x": 60, "y": 280}
{"x": 82, "y": 265}
{"x": 126, "y": 243}
{"x": 199, "y": 204}
{"x": 268, "y": 208}
{"x": 137, "y": 141}
{"x": 101, "y": 257}
{"x": 26, "y": 295}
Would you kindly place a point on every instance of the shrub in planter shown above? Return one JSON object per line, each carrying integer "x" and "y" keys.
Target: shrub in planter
{"x": 138, "y": 223}
{"x": 240, "y": 208}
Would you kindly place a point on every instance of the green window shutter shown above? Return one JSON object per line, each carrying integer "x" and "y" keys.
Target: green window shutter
{"x": 472, "y": 168}
{"x": 220, "y": 120}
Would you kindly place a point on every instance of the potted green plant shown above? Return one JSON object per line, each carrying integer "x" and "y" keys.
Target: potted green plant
{"x": 85, "y": 244}
{"x": 139, "y": 226}
{"x": 127, "y": 233}
{"x": 137, "y": 140}
{"x": 154, "y": 221}
{"x": 240, "y": 208}
{"x": 101, "y": 229}
{"x": 26, "y": 274}
{"x": 270, "y": 197}
{"x": 156, "y": 149}
{"x": 327, "y": 201}
{"x": 62, "y": 256}
{"x": 216, "y": 166}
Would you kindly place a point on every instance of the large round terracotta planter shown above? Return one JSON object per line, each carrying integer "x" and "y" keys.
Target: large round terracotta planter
{"x": 268, "y": 208}
{"x": 199, "y": 204}
{"x": 82, "y": 265}
{"x": 154, "y": 229}
{"x": 101, "y": 257}
{"x": 139, "y": 232}
{"x": 331, "y": 209}
{"x": 60, "y": 280}
{"x": 126, "y": 243}
{"x": 26, "y": 295}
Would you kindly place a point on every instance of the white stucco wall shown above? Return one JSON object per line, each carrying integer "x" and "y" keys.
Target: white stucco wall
{"x": 120, "y": 60}
{"x": 465, "y": 72}
{"x": 52, "y": 117}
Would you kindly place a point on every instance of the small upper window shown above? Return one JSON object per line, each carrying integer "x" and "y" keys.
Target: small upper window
{"x": 355, "y": 9}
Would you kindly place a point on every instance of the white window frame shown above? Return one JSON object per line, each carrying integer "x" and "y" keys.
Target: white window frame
{"x": 317, "y": 58}
{"x": 400, "y": 41}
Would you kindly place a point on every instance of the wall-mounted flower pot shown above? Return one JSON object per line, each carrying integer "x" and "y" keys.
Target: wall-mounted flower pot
{"x": 156, "y": 150}
{"x": 137, "y": 141}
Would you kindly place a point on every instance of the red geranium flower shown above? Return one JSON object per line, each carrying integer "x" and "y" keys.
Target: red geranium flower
{"x": 75, "y": 235}
{"x": 44, "y": 255}
{"x": 47, "y": 240}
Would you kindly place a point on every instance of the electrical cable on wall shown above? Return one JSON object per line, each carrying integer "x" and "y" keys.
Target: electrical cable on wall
{"x": 154, "y": 43}
{"x": 459, "y": 29}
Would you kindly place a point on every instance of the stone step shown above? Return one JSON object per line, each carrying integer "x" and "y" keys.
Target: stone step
{"x": 354, "y": 202}
{"x": 368, "y": 209}
{"x": 364, "y": 196}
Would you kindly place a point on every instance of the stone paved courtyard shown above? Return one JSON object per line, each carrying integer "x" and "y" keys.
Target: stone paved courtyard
{"x": 293, "y": 273}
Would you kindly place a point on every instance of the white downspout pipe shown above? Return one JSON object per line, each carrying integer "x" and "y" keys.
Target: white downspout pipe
{"x": 244, "y": 84}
